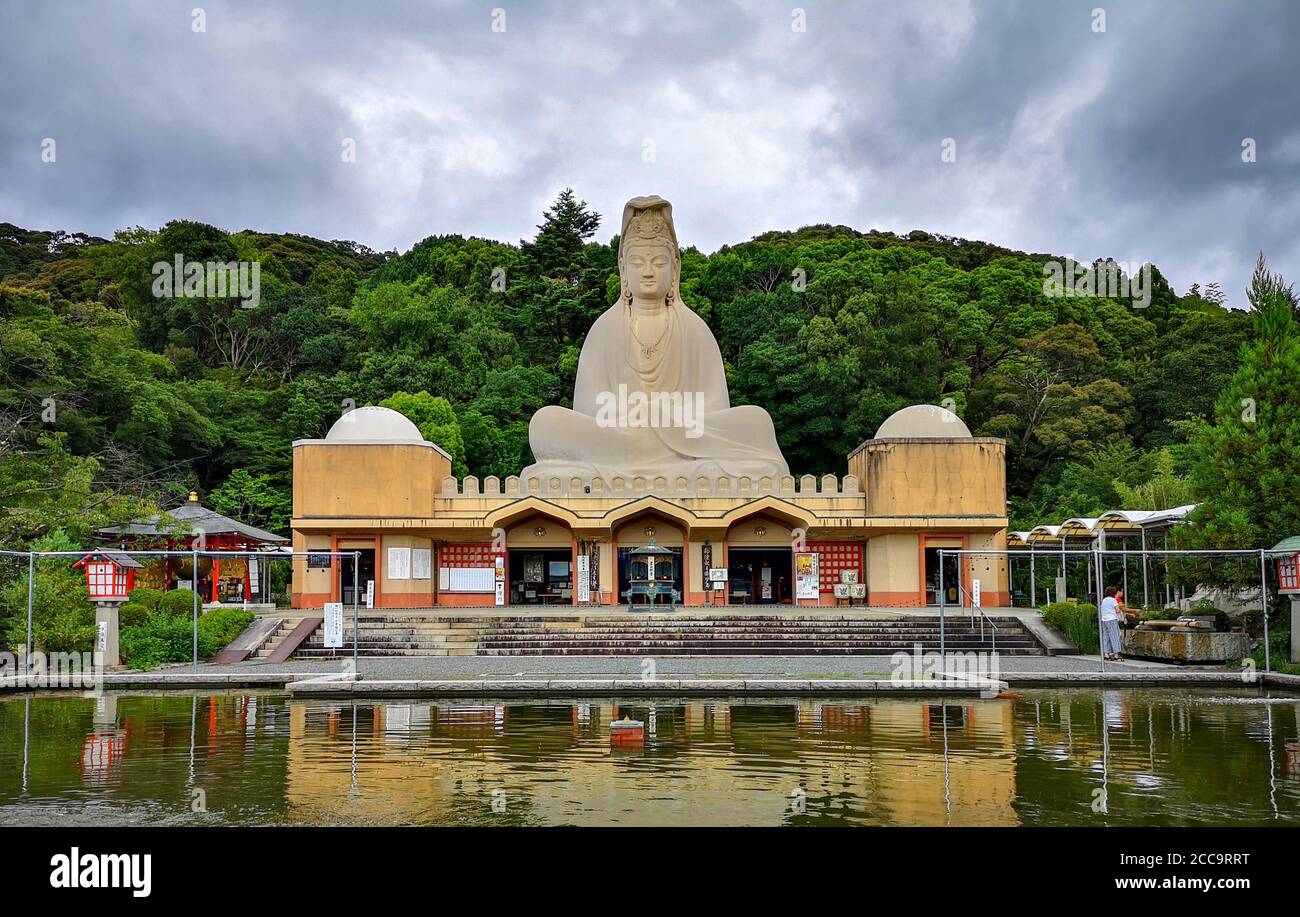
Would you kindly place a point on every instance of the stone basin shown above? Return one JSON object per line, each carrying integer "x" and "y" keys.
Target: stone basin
{"x": 1186, "y": 645}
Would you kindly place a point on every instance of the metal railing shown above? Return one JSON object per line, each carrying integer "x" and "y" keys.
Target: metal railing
{"x": 961, "y": 590}
{"x": 1096, "y": 556}
{"x": 193, "y": 554}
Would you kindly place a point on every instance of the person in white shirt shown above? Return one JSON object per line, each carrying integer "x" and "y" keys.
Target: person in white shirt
{"x": 1110, "y": 615}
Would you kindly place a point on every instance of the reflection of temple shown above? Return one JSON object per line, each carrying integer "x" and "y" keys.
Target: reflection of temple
{"x": 881, "y": 762}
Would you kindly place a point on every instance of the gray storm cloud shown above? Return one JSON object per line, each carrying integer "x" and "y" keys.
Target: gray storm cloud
{"x": 1124, "y": 143}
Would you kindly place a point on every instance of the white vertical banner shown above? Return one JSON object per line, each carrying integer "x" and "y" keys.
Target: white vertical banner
{"x": 584, "y": 578}
{"x": 333, "y": 625}
{"x": 500, "y": 580}
{"x": 975, "y": 593}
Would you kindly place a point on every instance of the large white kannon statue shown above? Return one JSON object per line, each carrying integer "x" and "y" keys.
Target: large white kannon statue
{"x": 651, "y": 397}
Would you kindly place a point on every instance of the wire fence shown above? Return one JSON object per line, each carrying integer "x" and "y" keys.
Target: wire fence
{"x": 1095, "y": 579}
{"x": 1096, "y": 576}
{"x": 193, "y": 556}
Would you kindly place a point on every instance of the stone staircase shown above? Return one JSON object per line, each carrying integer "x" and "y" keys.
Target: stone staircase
{"x": 277, "y": 636}
{"x": 428, "y": 634}
{"x": 403, "y": 634}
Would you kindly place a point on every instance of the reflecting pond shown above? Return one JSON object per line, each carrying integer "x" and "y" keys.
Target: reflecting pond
{"x": 1056, "y": 757}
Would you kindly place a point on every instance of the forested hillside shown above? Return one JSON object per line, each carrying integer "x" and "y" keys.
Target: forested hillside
{"x": 115, "y": 399}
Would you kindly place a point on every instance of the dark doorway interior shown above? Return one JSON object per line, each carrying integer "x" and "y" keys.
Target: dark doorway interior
{"x": 366, "y": 574}
{"x": 951, "y": 577}
{"x": 760, "y": 576}
{"x": 542, "y": 576}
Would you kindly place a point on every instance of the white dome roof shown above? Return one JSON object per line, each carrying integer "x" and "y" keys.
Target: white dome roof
{"x": 923, "y": 421}
{"x": 373, "y": 424}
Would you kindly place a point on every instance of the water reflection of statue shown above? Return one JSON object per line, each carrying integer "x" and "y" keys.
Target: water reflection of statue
{"x": 650, "y": 398}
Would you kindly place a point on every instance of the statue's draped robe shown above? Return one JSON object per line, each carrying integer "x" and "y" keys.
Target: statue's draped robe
{"x": 734, "y": 441}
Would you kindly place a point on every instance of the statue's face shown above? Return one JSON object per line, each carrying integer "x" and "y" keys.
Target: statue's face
{"x": 649, "y": 269}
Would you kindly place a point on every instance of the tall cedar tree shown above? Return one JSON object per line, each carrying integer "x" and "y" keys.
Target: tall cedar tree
{"x": 1247, "y": 463}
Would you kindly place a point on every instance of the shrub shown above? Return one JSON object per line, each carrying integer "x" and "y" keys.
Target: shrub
{"x": 133, "y": 613}
{"x": 1078, "y": 622}
{"x": 221, "y": 625}
{"x": 163, "y": 639}
{"x": 66, "y": 632}
{"x": 178, "y": 603}
{"x": 1279, "y": 646}
{"x": 146, "y": 597}
{"x": 147, "y": 647}
{"x": 63, "y": 620}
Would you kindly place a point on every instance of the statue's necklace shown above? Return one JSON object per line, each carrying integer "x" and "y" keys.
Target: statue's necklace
{"x": 649, "y": 350}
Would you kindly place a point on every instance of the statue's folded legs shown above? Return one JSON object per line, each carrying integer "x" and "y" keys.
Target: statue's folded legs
{"x": 736, "y": 442}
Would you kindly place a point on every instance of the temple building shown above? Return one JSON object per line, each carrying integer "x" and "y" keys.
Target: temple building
{"x": 652, "y": 453}
{"x": 425, "y": 539}
{"x": 221, "y": 579}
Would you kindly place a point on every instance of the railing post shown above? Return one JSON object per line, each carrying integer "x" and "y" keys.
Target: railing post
{"x": 1101, "y": 644}
{"x": 1263, "y": 598}
{"x": 943, "y": 659}
{"x": 1146, "y": 595}
{"x": 356, "y": 625}
{"x": 31, "y": 580}
{"x": 194, "y": 582}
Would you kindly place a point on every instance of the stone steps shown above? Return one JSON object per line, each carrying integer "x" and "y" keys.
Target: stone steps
{"x": 424, "y": 634}
{"x": 624, "y": 650}
{"x": 276, "y": 638}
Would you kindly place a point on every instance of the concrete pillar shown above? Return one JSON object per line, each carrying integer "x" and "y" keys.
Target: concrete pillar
{"x": 1295, "y": 628}
{"x": 106, "y": 633}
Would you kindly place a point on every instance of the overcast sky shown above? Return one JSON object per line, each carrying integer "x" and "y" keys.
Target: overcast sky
{"x": 1125, "y": 143}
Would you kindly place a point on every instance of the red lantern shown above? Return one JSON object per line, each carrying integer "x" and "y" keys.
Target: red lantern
{"x": 1288, "y": 573}
{"x": 110, "y": 576}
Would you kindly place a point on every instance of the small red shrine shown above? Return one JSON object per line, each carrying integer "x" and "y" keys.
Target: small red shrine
{"x": 179, "y": 529}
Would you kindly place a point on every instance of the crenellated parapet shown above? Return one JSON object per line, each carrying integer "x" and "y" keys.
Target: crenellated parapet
{"x": 576, "y": 488}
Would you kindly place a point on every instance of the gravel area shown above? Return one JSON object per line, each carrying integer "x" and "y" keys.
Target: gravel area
{"x": 497, "y": 667}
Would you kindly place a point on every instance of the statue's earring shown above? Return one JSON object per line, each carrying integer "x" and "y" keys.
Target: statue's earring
{"x": 670, "y": 297}
{"x": 627, "y": 294}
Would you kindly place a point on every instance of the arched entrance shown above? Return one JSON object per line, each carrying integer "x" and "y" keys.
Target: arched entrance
{"x": 539, "y": 562}
{"x": 760, "y": 562}
{"x": 638, "y": 532}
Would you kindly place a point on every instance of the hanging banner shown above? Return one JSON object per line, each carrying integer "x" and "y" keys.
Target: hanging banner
{"x": 500, "y": 579}
{"x": 584, "y": 579}
{"x": 333, "y": 625}
{"x": 806, "y": 579}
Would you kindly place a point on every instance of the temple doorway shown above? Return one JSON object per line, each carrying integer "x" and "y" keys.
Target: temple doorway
{"x": 760, "y": 576}
{"x": 541, "y": 576}
{"x": 951, "y": 577}
{"x": 365, "y": 571}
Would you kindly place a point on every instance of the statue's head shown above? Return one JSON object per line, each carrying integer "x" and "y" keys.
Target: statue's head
{"x": 649, "y": 263}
